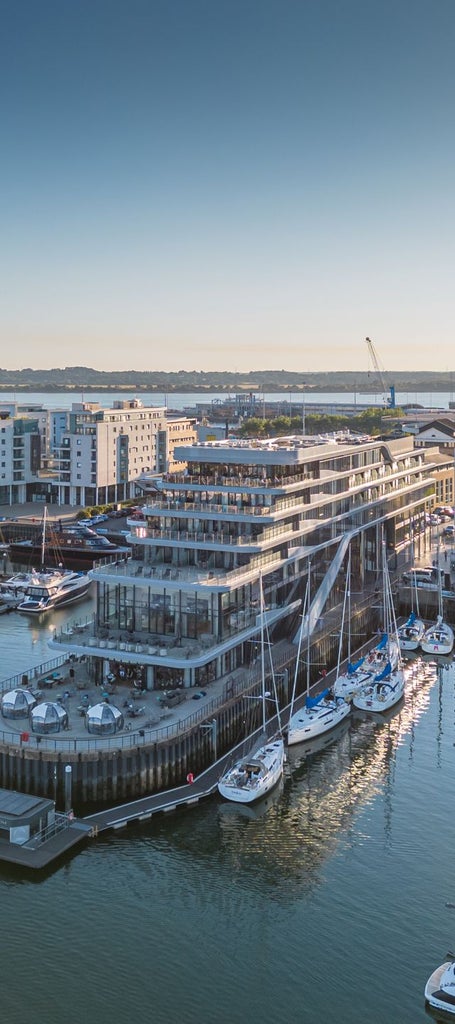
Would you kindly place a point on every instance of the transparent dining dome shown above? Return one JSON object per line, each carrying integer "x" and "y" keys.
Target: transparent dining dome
{"x": 104, "y": 719}
{"x": 17, "y": 703}
{"x": 49, "y": 717}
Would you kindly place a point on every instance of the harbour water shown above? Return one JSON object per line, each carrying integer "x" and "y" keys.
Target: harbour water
{"x": 64, "y": 400}
{"x": 327, "y": 903}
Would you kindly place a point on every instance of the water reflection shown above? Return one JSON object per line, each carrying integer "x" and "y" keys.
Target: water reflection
{"x": 328, "y": 781}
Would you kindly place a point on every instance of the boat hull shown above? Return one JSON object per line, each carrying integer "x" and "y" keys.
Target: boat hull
{"x": 309, "y": 723}
{"x": 62, "y": 601}
{"x": 438, "y": 639}
{"x": 379, "y": 697}
{"x": 71, "y": 557}
{"x": 239, "y": 785}
{"x": 435, "y": 995}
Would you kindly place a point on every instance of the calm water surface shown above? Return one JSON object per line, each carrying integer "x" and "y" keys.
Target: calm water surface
{"x": 325, "y": 904}
{"x": 64, "y": 400}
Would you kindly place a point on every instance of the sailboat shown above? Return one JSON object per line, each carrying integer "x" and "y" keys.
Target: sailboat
{"x": 410, "y": 634}
{"x": 357, "y": 674}
{"x": 251, "y": 777}
{"x": 386, "y": 685}
{"x": 439, "y": 638}
{"x": 319, "y": 713}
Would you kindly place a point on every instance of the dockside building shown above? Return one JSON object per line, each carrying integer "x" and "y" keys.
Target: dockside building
{"x": 246, "y": 515}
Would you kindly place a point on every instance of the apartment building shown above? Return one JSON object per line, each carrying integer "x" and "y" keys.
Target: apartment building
{"x": 21, "y": 440}
{"x": 87, "y": 455}
{"x": 103, "y": 451}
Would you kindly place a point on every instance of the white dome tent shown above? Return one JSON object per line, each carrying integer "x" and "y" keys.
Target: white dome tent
{"x": 49, "y": 717}
{"x": 104, "y": 719}
{"x": 17, "y": 703}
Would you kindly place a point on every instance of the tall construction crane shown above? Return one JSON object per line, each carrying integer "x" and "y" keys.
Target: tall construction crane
{"x": 390, "y": 390}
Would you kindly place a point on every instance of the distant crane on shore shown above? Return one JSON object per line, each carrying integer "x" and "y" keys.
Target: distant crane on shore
{"x": 388, "y": 390}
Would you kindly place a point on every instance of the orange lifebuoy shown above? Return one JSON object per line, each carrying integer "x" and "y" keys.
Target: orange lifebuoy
{"x": 190, "y": 778}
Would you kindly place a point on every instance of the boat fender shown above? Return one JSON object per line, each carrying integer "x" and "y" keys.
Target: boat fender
{"x": 190, "y": 778}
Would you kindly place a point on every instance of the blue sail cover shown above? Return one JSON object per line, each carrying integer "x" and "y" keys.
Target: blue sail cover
{"x": 312, "y": 702}
{"x": 411, "y": 619}
{"x": 353, "y": 667}
{"x": 382, "y": 643}
{"x": 384, "y": 674}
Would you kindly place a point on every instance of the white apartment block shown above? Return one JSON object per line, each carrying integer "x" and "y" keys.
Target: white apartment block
{"x": 87, "y": 455}
{"x": 104, "y": 451}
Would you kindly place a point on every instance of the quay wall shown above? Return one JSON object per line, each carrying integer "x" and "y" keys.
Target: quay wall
{"x": 146, "y": 766}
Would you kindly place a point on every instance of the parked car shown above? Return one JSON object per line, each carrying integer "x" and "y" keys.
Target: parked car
{"x": 443, "y": 510}
{"x": 427, "y": 575}
{"x": 449, "y": 531}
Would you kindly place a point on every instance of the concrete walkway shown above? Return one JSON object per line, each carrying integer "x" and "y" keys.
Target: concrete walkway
{"x": 35, "y": 510}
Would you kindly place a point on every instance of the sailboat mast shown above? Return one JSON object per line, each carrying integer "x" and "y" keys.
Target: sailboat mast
{"x": 346, "y": 606}
{"x": 308, "y": 631}
{"x": 262, "y": 652}
{"x": 43, "y": 538}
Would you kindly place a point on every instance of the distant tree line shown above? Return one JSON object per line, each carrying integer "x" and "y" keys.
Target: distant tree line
{"x": 369, "y": 421}
{"x": 258, "y": 381}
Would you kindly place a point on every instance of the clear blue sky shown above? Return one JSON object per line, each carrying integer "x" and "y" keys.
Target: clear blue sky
{"x": 227, "y": 184}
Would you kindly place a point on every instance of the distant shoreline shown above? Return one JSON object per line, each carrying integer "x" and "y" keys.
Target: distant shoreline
{"x": 227, "y": 389}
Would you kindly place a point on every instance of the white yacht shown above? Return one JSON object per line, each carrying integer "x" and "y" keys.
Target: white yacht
{"x": 251, "y": 777}
{"x": 56, "y": 591}
{"x": 319, "y": 713}
{"x": 383, "y": 691}
{"x": 440, "y": 988}
{"x": 12, "y": 590}
{"x": 355, "y": 675}
{"x": 386, "y": 684}
{"x": 438, "y": 639}
{"x": 353, "y": 679}
{"x": 411, "y": 633}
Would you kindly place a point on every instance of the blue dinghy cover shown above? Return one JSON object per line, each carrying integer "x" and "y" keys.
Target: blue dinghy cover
{"x": 312, "y": 702}
{"x": 353, "y": 667}
{"x": 385, "y": 672}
